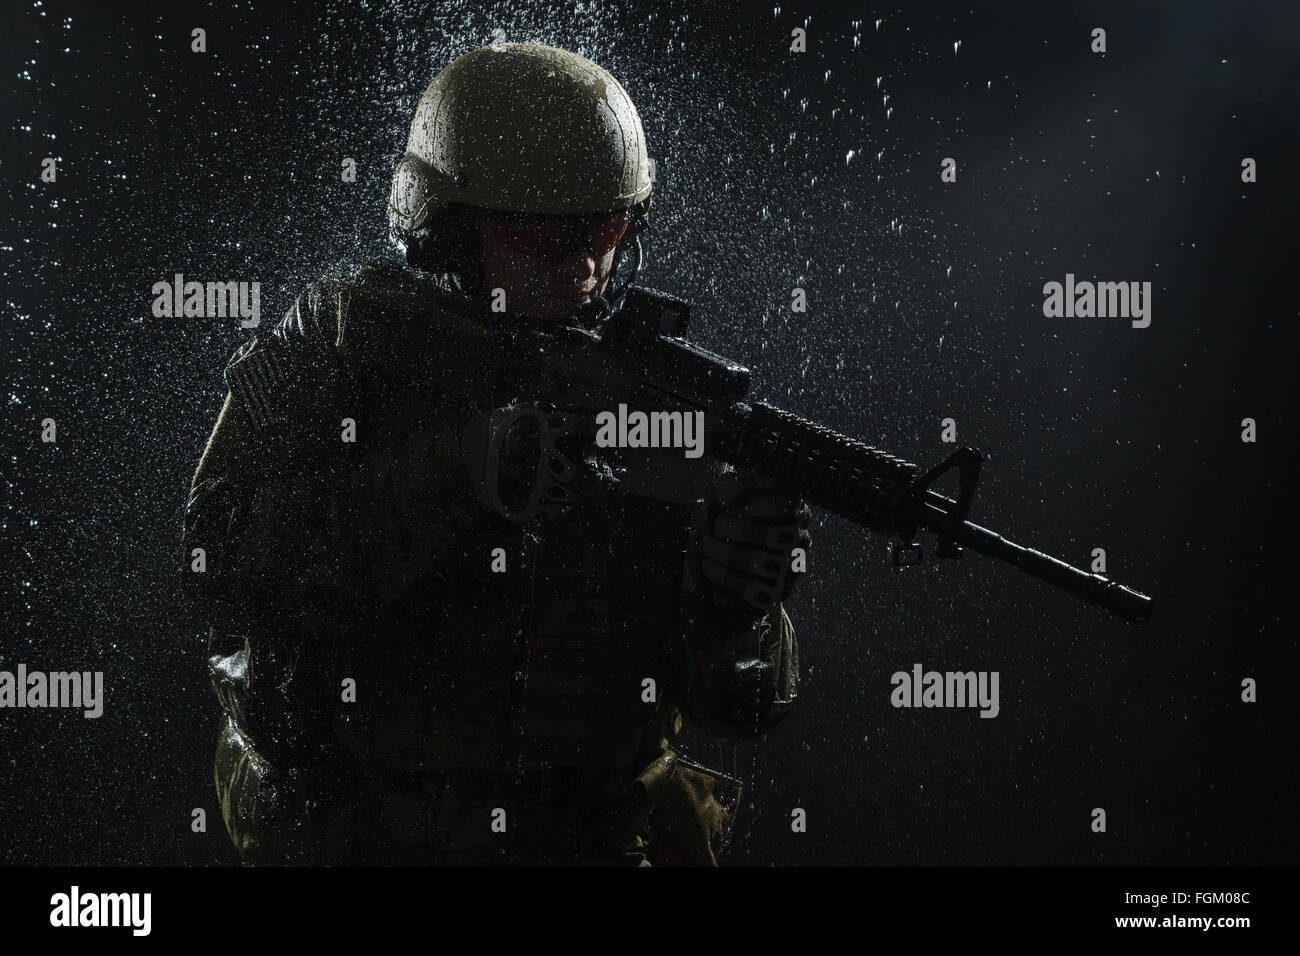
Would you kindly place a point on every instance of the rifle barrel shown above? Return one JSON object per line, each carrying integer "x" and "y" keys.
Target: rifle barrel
{"x": 864, "y": 484}
{"x": 1127, "y": 603}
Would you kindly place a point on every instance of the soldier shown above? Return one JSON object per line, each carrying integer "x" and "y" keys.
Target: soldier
{"x": 415, "y": 667}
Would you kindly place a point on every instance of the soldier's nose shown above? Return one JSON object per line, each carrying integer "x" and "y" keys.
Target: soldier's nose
{"x": 578, "y": 266}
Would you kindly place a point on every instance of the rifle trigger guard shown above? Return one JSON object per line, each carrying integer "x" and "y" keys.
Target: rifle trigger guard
{"x": 539, "y": 488}
{"x": 967, "y": 461}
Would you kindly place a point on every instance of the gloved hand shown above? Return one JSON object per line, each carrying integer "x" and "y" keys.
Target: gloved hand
{"x": 534, "y": 461}
{"x": 746, "y": 550}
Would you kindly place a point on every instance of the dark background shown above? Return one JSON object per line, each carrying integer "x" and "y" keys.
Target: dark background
{"x": 1126, "y": 166}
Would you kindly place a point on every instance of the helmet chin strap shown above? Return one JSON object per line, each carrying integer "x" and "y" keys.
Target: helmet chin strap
{"x": 616, "y": 298}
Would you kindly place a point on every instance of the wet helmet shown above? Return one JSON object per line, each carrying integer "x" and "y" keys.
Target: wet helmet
{"x": 517, "y": 128}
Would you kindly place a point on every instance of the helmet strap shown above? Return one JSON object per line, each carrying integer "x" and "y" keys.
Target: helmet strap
{"x": 632, "y": 244}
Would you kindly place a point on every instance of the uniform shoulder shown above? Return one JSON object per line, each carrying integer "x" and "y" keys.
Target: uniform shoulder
{"x": 327, "y": 325}
{"x": 400, "y": 293}
{"x": 337, "y": 313}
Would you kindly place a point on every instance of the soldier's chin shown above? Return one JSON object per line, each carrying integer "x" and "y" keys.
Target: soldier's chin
{"x": 555, "y": 307}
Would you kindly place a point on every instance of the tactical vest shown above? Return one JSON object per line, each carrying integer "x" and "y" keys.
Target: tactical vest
{"x": 562, "y": 656}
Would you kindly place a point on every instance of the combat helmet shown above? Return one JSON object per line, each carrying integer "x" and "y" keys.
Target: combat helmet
{"x": 518, "y": 128}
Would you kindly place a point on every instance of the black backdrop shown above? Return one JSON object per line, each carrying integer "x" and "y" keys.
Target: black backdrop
{"x": 925, "y": 303}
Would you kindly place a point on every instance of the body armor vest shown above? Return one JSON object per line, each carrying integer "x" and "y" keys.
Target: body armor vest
{"x": 563, "y": 656}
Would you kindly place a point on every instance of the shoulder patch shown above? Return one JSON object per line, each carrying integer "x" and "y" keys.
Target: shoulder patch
{"x": 254, "y": 376}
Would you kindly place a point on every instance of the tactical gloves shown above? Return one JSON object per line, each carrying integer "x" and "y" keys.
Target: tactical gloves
{"x": 748, "y": 549}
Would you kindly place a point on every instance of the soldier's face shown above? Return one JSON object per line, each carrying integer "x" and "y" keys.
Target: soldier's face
{"x": 548, "y": 266}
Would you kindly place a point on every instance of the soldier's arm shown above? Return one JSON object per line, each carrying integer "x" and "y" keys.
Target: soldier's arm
{"x": 743, "y": 656}
{"x": 294, "y": 523}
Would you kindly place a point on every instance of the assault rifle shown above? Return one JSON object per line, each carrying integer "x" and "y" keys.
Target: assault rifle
{"x": 640, "y": 359}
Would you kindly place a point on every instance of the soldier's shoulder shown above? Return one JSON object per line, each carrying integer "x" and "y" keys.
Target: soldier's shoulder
{"x": 338, "y": 310}
{"x": 383, "y": 292}
{"x": 323, "y": 321}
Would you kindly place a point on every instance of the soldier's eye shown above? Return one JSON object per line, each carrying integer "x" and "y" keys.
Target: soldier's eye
{"x": 554, "y": 238}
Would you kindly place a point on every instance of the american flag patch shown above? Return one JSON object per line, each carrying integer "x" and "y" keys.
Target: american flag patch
{"x": 252, "y": 377}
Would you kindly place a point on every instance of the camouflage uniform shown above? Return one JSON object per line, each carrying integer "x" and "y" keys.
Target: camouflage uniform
{"x": 389, "y": 693}
{"x": 522, "y": 690}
